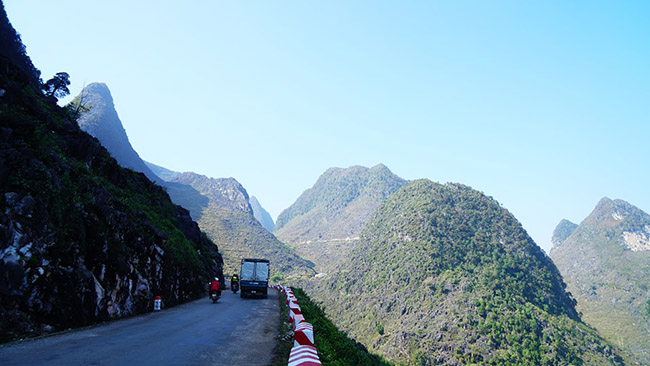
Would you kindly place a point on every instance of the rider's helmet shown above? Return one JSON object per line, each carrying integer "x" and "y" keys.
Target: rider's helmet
{"x": 216, "y": 278}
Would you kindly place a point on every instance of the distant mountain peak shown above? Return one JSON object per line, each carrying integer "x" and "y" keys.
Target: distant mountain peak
{"x": 562, "y": 231}
{"x": 329, "y": 216}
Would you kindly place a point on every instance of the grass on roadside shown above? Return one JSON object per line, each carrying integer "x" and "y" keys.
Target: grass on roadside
{"x": 334, "y": 346}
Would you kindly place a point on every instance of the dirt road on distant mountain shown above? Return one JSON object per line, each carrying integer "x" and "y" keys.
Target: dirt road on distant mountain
{"x": 233, "y": 331}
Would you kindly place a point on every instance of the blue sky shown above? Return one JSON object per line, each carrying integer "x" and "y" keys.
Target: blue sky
{"x": 544, "y": 106}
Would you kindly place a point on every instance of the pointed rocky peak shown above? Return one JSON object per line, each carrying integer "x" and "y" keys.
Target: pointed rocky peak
{"x": 562, "y": 231}
{"x": 99, "y": 119}
{"x": 613, "y": 212}
{"x": 224, "y": 192}
{"x": 261, "y": 214}
{"x": 624, "y": 221}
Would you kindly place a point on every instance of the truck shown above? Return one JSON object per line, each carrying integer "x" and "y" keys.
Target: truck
{"x": 254, "y": 277}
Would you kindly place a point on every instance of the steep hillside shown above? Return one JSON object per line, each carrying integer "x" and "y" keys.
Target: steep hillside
{"x": 228, "y": 219}
{"x": 606, "y": 265}
{"x": 261, "y": 215}
{"x": 443, "y": 274}
{"x": 81, "y": 238}
{"x": 327, "y": 219}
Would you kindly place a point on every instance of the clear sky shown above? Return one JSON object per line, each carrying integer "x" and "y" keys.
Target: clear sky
{"x": 543, "y": 105}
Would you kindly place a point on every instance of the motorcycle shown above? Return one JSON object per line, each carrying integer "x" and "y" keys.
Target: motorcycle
{"x": 214, "y": 296}
{"x": 235, "y": 287}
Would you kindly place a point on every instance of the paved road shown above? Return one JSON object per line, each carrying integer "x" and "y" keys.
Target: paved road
{"x": 197, "y": 333}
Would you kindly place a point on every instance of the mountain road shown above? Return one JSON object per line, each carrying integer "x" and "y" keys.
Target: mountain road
{"x": 234, "y": 331}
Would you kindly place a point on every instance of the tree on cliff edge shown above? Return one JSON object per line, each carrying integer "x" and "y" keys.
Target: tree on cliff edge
{"x": 57, "y": 86}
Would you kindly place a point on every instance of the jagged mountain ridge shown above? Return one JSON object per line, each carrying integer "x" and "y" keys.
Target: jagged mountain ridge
{"x": 261, "y": 214}
{"x": 327, "y": 219}
{"x": 606, "y": 264}
{"x": 443, "y": 274}
{"x": 82, "y": 239}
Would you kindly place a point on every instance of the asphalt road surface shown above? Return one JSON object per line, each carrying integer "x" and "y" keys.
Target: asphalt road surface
{"x": 234, "y": 331}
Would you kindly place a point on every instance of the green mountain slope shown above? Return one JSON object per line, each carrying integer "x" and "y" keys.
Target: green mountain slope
{"x": 228, "y": 219}
{"x": 327, "y": 219}
{"x": 445, "y": 275}
{"x": 82, "y": 239}
{"x": 606, "y": 264}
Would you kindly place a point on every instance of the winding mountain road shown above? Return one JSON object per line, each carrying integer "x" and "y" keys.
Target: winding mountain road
{"x": 233, "y": 331}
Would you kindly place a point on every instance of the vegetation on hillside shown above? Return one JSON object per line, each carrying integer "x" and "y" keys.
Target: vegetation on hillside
{"x": 327, "y": 219}
{"x": 445, "y": 275}
{"x": 334, "y": 346}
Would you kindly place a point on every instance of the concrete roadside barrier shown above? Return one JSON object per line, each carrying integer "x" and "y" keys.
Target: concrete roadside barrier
{"x": 303, "y": 335}
{"x": 304, "y": 352}
{"x": 304, "y": 356}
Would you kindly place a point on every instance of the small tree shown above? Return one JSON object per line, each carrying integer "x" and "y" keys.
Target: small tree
{"x": 78, "y": 106}
{"x": 57, "y": 86}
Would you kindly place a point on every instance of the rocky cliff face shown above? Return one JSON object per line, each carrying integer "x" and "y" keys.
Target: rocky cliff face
{"x": 261, "y": 214}
{"x": 81, "y": 238}
{"x": 606, "y": 264}
{"x": 327, "y": 219}
{"x": 443, "y": 274}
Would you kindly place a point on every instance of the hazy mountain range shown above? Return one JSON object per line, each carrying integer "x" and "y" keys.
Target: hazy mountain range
{"x": 221, "y": 206}
{"x": 606, "y": 263}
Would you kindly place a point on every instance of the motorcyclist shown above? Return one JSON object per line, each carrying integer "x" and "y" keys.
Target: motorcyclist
{"x": 214, "y": 287}
{"x": 234, "y": 283}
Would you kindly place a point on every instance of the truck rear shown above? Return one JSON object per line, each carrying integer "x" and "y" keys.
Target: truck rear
{"x": 254, "y": 277}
